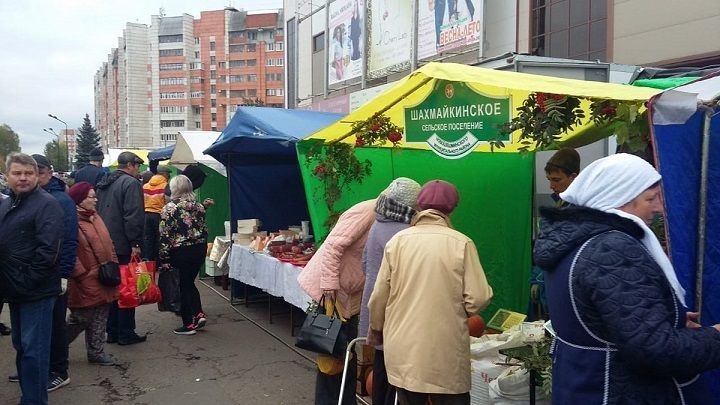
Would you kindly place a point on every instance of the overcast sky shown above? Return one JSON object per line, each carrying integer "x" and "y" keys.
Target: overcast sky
{"x": 51, "y": 49}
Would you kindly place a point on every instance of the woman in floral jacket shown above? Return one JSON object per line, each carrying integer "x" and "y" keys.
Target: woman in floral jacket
{"x": 183, "y": 243}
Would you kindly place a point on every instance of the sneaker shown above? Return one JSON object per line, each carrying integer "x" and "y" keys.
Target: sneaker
{"x": 56, "y": 381}
{"x": 14, "y": 378}
{"x": 199, "y": 320}
{"x": 102, "y": 360}
{"x": 185, "y": 330}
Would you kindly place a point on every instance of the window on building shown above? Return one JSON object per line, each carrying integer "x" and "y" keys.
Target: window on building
{"x": 274, "y": 62}
{"x": 213, "y": 102}
{"x": 252, "y": 35}
{"x": 319, "y": 42}
{"x": 236, "y": 48}
{"x": 173, "y": 95}
{"x": 197, "y": 125}
{"x": 250, "y": 48}
{"x": 270, "y": 46}
{"x": 269, "y": 92}
{"x": 237, "y": 93}
{"x": 212, "y": 45}
{"x": 171, "y": 66}
{"x": 213, "y": 89}
{"x": 171, "y": 52}
{"x": 168, "y": 81}
{"x": 197, "y": 40}
{"x": 280, "y": 92}
{"x": 252, "y": 78}
{"x": 196, "y": 109}
{"x": 172, "y": 123}
{"x": 196, "y": 94}
{"x": 196, "y": 80}
{"x": 237, "y": 63}
{"x": 252, "y": 62}
{"x": 197, "y": 54}
{"x": 252, "y": 92}
{"x": 166, "y": 39}
{"x": 213, "y": 74}
{"x": 213, "y": 128}
{"x": 172, "y": 109}
{"x": 236, "y": 34}
{"x": 196, "y": 66}
{"x": 575, "y": 29}
{"x": 212, "y": 60}
{"x": 221, "y": 65}
{"x": 168, "y": 137}
{"x": 213, "y": 117}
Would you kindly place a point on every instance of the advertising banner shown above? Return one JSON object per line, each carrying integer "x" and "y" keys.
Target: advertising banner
{"x": 389, "y": 40}
{"x": 347, "y": 26}
{"x": 444, "y": 25}
{"x": 454, "y": 118}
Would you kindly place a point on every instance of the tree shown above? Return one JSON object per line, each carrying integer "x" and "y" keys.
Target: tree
{"x": 87, "y": 140}
{"x": 57, "y": 157}
{"x": 9, "y": 142}
{"x": 254, "y": 102}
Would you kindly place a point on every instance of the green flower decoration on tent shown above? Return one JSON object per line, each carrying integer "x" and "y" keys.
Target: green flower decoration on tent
{"x": 337, "y": 166}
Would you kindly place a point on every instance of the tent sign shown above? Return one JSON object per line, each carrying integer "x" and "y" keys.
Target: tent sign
{"x": 454, "y": 118}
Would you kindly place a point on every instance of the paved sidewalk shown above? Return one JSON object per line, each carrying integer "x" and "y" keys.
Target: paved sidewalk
{"x": 231, "y": 361}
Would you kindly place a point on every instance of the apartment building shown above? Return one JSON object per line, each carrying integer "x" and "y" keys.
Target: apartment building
{"x": 181, "y": 73}
{"x": 371, "y": 44}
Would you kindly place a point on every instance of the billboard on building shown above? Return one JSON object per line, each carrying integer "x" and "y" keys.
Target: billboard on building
{"x": 389, "y": 39}
{"x": 444, "y": 25}
{"x": 345, "y": 53}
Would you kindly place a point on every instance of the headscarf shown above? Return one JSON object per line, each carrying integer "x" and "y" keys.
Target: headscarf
{"x": 611, "y": 182}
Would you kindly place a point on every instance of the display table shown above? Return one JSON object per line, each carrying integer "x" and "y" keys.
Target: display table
{"x": 269, "y": 274}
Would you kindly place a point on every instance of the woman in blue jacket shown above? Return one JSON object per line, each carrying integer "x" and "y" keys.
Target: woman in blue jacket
{"x": 624, "y": 334}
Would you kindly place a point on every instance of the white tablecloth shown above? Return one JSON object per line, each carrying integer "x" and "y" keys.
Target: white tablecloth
{"x": 265, "y": 272}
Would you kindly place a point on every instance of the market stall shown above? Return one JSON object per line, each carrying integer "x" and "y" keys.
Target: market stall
{"x": 442, "y": 121}
{"x": 257, "y": 149}
{"x": 685, "y": 130}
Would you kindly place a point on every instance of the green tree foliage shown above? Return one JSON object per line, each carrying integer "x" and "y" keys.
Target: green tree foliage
{"x": 58, "y": 157}
{"x": 9, "y": 142}
{"x": 87, "y": 140}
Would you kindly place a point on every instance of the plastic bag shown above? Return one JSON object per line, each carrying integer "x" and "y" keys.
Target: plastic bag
{"x": 169, "y": 284}
{"x": 137, "y": 285}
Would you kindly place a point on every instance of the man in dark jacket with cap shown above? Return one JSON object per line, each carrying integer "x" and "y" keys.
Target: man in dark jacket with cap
{"x": 66, "y": 263}
{"x": 120, "y": 204}
{"x": 30, "y": 237}
{"x": 92, "y": 172}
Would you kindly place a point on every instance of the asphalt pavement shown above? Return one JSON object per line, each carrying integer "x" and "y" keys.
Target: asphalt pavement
{"x": 234, "y": 360}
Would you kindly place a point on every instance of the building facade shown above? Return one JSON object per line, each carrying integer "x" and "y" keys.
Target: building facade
{"x": 183, "y": 74}
{"x": 323, "y": 74}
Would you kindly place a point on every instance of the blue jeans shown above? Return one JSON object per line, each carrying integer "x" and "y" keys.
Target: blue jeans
{"x": 31, "y": 331}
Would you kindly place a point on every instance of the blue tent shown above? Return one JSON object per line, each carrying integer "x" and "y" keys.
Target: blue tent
{"x": 258, "y": 150}
{"x": 161, "y": 153}
{"x": 682, "y": 118}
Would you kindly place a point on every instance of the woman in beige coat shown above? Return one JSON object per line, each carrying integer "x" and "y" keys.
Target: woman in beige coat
{"x": 430, "y": 281}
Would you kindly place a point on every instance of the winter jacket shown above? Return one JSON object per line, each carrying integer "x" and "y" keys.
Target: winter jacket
{"x": 90, "y": 173}
{"x": 337, "y": 265}
{"x": 430, "y": 281}
{"x": 621, "y": 334}
{"x": 31, "y": 229}
{"x": 120, "y": 204}
{"x": 182, "y": 223}
{"x": 68, "y": 249}
{"x": 380, "y": 233}
{"x": 94, "y": 247}
{"x": 154, "y": 193}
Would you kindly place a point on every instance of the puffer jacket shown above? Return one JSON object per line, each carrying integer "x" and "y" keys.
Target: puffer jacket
{"x": 31, "y": 230}
{"x": 94, "y": 247}
{"x": 120, "y": 204}
{"x": 621, "y": 332}
{"x": 337, "y": 265}
{"x": 154, "y": 194}
{"x": 68, "y": 249}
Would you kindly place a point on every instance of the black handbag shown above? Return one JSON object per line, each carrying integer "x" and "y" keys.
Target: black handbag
{"x": 108, "y": 272}
{"x": 322, "y": 333}
{"x": 169, "y": 284}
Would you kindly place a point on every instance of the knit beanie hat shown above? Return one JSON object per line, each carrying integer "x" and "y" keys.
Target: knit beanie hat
{"x": 79, "y": 191}
{"x": 196, "y": 176}
{"x": 403, "y": 190}
{"x": 439, "y": 195}
{"x": 96, "y": 155}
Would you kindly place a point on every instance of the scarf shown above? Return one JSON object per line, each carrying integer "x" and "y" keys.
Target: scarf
{"x": 611, "y": 182}
{"x": 393, "y": 210}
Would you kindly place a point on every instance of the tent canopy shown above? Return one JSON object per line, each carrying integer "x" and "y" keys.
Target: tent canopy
{"x": 115, "y": 152}
{"x": 258, "y": 150}
{"x": 161, "y": 153}
{"x": 190, "y": 146}
{"x": 266, "y": 131}
{"x": 414, "y": 88}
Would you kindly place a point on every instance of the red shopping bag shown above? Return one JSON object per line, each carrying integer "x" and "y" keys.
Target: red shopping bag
{"x": 137, "y": 285}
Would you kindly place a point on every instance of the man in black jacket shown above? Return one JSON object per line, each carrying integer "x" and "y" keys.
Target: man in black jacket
{"x": 120, "y": 204}
{"x": 30, "y": 236}
{"x": 92, "y": 172}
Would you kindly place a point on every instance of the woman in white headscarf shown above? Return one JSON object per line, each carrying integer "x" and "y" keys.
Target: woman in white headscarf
{"x": 624, "y": 335}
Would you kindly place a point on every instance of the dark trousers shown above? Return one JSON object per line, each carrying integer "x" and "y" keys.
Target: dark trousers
{"x": 383, "y": 392}
{"x": 59, "y": 342}
{"x": 151, "y": 241}
{"x": 121, "y": 322}
{"x": 188, "y": 260}
{"x": 406, "y": 397}
{"x": 327, "y": 387}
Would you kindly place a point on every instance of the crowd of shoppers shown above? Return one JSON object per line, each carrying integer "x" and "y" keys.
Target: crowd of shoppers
{"x": 55, "y": 240}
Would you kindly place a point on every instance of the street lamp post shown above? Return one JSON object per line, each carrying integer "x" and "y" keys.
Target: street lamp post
{"x": 51, "y": 131}
{"x": 66, "y": 135}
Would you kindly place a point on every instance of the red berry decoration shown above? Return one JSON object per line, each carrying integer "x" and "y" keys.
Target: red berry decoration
{"x": 320, "y": 170}
{"x": 375, "y": 127}
{"x": 359, "y": 142}
{"x": 394, "y": 137}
